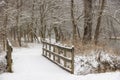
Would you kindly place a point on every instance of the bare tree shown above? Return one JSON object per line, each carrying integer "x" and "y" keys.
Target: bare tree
{"x": 19, "y": 4}
{"x": 97, "y": 30}
{"x": 73, "y": 22}
{"x": 87, "y": 21}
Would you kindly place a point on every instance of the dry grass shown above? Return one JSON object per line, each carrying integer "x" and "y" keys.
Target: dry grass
{"x": 116, "y": 51}
{"x": 16, "y": 44}
{"x": 81, "y": 49}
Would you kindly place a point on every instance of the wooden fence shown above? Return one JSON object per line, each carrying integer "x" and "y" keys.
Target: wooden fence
{"x": 60, "y": 55}
{"x": 9, "y": 56}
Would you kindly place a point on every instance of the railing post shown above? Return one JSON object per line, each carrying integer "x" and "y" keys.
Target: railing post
{"x": 65, "y": 56}
{"x": 58, "y": 56}
{"x": 9, "y": 57}
{"x": 43, "y": 49}
{"x": 72, "y": 66}
{"x": 53, "y": 51}
{"x": 50, "y": 50}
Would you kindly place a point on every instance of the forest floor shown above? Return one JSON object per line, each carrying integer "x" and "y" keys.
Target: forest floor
{"x": 29, "y": 64}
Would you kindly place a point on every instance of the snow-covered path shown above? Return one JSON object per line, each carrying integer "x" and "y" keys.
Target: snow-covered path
{"x": 29, "y": 64}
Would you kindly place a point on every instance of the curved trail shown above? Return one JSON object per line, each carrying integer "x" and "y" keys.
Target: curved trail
{"x": 29, "y": 64}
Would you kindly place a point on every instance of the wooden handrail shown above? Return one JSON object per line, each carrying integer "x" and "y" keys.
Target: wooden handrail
{"x": 59, "y": 55}
{"x": 62, "y": 47}
{"x": 63, "y": 57}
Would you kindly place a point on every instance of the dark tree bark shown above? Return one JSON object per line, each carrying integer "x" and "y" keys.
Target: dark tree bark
{"x": 32, "y": 27}
{"x": 73, "y": 22}
{"x": 97, "y": 31}
{"x": 5, "y": 30}
{"x": 57, "y": 37}
{"x": 19, "y": 4}
{"x": 87, "y": 36}
{"x": 5, "y": 26}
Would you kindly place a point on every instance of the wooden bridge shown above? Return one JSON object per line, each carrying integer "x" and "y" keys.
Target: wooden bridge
{"x": 60, "y": 55}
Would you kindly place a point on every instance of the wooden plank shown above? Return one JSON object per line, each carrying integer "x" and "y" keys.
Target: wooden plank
{"x": 46, "y": 48}
{"x": 53, "y": 54}
{"x": 65, "y": 58}
{"x": 43, "y": 50}
{"x": 9, "y": 56}
{"x": 58, "y": 56}
{"x": 72, "y": 64}
{"x": 61, "y": 47}
{"x": 50, "y": 50}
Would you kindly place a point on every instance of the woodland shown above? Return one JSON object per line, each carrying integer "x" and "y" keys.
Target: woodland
{"x": 91, "y": 26}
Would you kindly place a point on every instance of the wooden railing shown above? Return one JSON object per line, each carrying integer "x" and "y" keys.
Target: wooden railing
{"x": 60, "y": 55}
{"x": 9, "y": 56}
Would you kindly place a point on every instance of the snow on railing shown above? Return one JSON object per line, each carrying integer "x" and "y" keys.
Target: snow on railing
{"x": 60, "y": 55}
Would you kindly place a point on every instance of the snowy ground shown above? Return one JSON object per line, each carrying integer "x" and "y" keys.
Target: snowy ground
{"x": 29, "y": 64}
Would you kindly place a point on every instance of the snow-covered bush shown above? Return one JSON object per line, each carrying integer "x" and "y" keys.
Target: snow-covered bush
{"x": 2, "y": 63}
{"x": 96, "y": 62}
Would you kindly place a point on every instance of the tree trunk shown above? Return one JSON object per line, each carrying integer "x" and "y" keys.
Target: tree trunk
{"x": 87, "y": 36}
{"x": 19, "y": 4}
{"x": 73, "y": 22}
{"x": 97, "y": 31}
{"x": 5, "y": 31}
{"x": 57, "y": 38}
